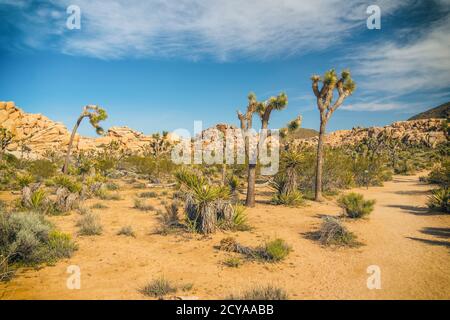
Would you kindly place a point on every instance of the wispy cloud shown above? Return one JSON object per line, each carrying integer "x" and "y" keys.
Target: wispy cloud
{"x": 196, "y": 29}
{"x": 400, "y": 68}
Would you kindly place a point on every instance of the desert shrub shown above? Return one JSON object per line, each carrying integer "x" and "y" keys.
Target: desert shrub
{"x": 274, "y": 250}
{"x": 105, "y": 165}
{"x": 148, "y": 194}
{"x": 126, "y": 231}
{"x": 164, "y": 193}
{"x": 332, "y": 232}
{"x": 24, "y": 180}
{"x": 233, "y": 262}
{"x": 60, "y": 245}
{"x": 109, "y": 196}
{"x": 440, "y": 200}
{"x": 169, "y": 219}
{"x": 83, "y": 210}
{"x": 99, "y": 205}
{"x": 42, "y": 168}
{"x": 139, "y": 185}
{"x": 292, "y": 199}
{"x": 355, "y": 206}
{"x": 142, "y": 205}
{"x": 158, "y": 288}
{"x": 36, "y": 201}
{"x": 268, "y": 292}
{"x": 67, "y": 182}
{"x": 28, "y": 239}
{"x": 239, "y": 222}
{"x": 440, "y": 174}
{"x": 89, "y": 225}
{"x": 111, "y": 186}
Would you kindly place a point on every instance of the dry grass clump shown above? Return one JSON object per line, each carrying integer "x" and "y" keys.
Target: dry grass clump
{"x": 272, "y": 251}
{"x": 148, "y": 194}
{"x": 268, "y": 292}
{"x": 89, "y": 225}
{"x": 169, "y": 219}
{"x": 233, "y": 262}
{"x": 158, "y": 288}
{"x": 99, "y": 205}
{"x": 332, "y": 232}
{"x": 141, "y": 204}
{"x": 126, "y": 231}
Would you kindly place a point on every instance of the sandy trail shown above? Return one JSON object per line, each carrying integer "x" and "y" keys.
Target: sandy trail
{"x": 410, "y": 245}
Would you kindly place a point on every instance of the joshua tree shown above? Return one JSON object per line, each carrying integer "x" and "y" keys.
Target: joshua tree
{"x": 6, "y": 138}
{"x": 246, "y": 124}
{"x": 330, "y": 82}
{"x": 95, "y": 115}
{"x": 159, "y": 145}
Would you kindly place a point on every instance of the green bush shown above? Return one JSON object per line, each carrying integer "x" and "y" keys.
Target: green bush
{"x": 67, "y": 182}
{"x": 42, "y": 168}
{"x": 439, "y": 200}
{"x": 23, "y": 180}
{"x": 240, "y": 221}
{"x": 275, "y": 250}
{"x": 292, "y": 199}
{"x": 355, "y": 206}
{"x": 28, "y": 239}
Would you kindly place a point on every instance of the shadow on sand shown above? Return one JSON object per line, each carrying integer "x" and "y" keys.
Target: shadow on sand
{"x": 440, "y": 233}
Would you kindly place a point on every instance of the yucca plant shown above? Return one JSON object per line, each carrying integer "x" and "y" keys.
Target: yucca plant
{"x": 202, "y": 204}
{"x": 439, "y": 200}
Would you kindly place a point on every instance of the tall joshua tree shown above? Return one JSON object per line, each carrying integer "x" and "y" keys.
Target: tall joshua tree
{"x": 95, "y": 115}
{"x": 330, "y": 82}
{"x": 6, "y": 138}
{"x": 246, "y": 124}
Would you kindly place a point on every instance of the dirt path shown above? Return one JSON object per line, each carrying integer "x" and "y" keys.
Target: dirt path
{"x": 410, "y": 245}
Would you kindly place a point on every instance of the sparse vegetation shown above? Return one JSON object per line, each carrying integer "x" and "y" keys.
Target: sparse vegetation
{"x": 142, "y": 205}
{"x": 148, "y": 194}
{"x": 127, "y": 231}
{"x": 268, "y": 292}
{"x": 272, "y": 251}
{"x": 355, "y": 206}
{"x": 99, "y": 205}
{"x": 89, "y": 225}
{"x": 26, "y": 238}
{"x": 233, "y": 262}
{"x": 158, "y": 288}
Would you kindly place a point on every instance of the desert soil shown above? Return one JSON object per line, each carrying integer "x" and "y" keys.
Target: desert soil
{"x": 409, "y": 244}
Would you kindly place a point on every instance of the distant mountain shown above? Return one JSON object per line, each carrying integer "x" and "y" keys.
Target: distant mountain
{"x": 440, "y": 112}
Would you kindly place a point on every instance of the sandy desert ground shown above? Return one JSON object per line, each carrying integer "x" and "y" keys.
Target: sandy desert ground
{"x": 409, "y": 244}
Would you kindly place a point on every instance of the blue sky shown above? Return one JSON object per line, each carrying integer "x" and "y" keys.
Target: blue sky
{"x": 158, "y": 65}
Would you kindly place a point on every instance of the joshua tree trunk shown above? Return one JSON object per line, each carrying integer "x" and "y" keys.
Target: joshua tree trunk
{"x": 224, "y": 173}
{"x": 345, "y": 87}
{"x": 319, "y": 165}
{"x": 65, "y": 168}
{"x": 251, "y": 181}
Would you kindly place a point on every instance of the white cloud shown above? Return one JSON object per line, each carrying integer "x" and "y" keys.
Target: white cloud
{"x": 402, "y": 68}
{"x": 373, "y": 106}
{"x": 196, "y": 29}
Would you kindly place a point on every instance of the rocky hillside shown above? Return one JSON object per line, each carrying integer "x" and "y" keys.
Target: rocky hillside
{"x": 39, "y": 133}
{"x": 426, "y": 132}
{"x": 440, "y": 112}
